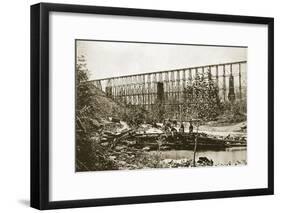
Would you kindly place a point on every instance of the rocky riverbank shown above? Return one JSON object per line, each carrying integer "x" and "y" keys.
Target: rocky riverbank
{"x": 149, "y": 160}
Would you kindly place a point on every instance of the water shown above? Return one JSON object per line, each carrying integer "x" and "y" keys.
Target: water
{"x": 219, "y": 157}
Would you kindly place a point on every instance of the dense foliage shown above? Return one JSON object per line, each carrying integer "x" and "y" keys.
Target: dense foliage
{"x": 90, "y": 155}
{"x": 202, "y": 99}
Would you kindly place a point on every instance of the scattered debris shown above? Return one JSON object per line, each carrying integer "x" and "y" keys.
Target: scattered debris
{"x": 146, "y": 148}
{"x": 170, "y": 163}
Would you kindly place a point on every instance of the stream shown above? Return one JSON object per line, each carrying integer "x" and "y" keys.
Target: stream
{"x": 231, "y": 155}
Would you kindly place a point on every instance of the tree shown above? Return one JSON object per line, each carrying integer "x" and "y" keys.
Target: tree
{"x": 90, "y": 155}
{"x": 202, "y": 102}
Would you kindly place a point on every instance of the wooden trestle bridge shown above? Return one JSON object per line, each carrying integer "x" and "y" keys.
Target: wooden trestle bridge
{"x": 168, "y": 87}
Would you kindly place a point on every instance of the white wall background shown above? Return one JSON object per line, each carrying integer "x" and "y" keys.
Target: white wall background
{"x": 14, "y": 107}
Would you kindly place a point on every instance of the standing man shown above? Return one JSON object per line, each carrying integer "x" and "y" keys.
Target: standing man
{"x": 190, "y": 127}
{"x": 182, "y": 128}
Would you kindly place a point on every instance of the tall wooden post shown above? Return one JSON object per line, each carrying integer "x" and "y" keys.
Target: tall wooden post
{"x": 231, "y": 89}
{"x": 240, "y": 86}
{"x": 209, "y": 73}
{"x": 217, "y": 76}
{"x": 183, "y": 85}
{"x": 167, "y": 85}
{"x": 142, "y": 89}
{"x": 149, "y": 91}
{"x": 177, "y": 86}
{"x": 224, "y": 84}
{"x": 190, "y": 76}
{"x": 173, "y": 91}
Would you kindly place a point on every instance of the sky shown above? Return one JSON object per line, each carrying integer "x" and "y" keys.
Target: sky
{"x": 109, "y": 59}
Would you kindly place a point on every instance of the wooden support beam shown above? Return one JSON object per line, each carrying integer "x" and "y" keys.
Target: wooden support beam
{"x": 160, "y": 75}
{"x": 240, "y": 86}
{"x": 184, "y": 76}
{"x": 173, "y": 85}
{"x": 178, "y": 87}
{"x": 210, "y": 73}
{"x": 143, "y": 90}
{"x": 190, "y": 76}
{"x": 196, "y": 74}
{"x": 183, "y": 86}
{"x": 224, "y": 84}
{"x": 135, "y": 91}
{"x": 166, "y": 81}
{"x": 149, "y": 90}
{"x": 217, "y": 76}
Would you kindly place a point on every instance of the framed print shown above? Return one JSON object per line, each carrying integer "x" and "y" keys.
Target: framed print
{"x": 136, "y": 106}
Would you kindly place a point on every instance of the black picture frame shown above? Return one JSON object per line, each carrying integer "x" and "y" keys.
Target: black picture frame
{"x": 40, "y": 104}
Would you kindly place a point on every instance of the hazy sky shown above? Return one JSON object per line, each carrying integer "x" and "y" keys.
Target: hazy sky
{"x": 108, "y": 59}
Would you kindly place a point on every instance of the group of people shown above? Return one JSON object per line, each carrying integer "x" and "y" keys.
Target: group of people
{"x": 170, "y": 126}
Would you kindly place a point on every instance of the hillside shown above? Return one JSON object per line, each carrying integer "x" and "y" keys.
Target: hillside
{"x": 103, "y": 106}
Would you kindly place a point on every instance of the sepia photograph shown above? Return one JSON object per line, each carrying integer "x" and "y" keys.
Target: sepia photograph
{"x": 142, "y": 105}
